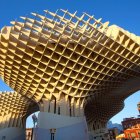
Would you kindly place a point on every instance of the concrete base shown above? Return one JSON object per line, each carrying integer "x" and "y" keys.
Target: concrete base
{"x": 12, "y": 133}
{"x": 57, "y": 127}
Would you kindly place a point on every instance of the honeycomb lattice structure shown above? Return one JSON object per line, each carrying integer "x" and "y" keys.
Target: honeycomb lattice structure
{"x": 81, "y": 59}
{"x": 99, "y": 113}
{"x": 14, "y": 109}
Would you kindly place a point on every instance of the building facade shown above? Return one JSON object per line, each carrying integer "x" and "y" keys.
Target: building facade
{"x": 29, "y": 133}
{"x": 111, "y": 125}
{"x": 131, "y": 128}
{"x": 113, "y": 132}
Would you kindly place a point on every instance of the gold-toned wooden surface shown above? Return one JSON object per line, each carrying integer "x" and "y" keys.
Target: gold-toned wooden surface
{"x": 78, "y": 58}
{"x": 14, "y": 109}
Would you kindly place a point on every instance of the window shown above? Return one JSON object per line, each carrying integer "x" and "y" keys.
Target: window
{"x": 129, "y": 136}
{"x": 139, "y": 134}
{"x": 133, "y": 135}
{"x": 59, "y": 110}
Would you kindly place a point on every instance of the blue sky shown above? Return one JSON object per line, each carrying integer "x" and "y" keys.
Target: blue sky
{"x": 124, "y": 13}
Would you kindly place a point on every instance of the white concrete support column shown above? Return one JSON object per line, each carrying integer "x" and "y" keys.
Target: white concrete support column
{"x": 60, "y": 127}
{"x": 12, "y": 133}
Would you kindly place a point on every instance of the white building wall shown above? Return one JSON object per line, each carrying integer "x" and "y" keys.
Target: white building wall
{"x": 67, "y": 128}
{"x": 12, "y": 133}
{"x": 50, "y": 120}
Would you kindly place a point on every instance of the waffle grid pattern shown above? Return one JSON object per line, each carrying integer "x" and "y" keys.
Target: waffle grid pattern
{"x": 62, "y": 55}
{"x": 14, "y": 109}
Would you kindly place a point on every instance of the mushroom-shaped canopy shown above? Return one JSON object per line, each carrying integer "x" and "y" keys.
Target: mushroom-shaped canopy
{"x": 61, "y": 54}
